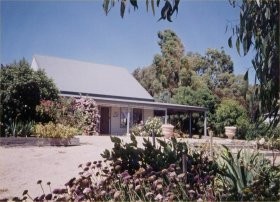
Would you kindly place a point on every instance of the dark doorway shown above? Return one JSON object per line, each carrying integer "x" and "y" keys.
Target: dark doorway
{"x": 104, "y": 120}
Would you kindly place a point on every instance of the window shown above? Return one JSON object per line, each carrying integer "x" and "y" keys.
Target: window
{"x": 136, "y": 116}
{"x": 123, "y": 117}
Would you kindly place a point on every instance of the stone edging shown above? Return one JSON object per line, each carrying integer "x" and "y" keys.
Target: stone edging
{"x": 35, "y": 141}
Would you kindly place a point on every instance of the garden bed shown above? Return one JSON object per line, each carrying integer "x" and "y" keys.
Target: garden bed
{"x": 35, "y": 141}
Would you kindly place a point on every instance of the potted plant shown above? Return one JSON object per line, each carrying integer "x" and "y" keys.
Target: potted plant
{"x": 167, "y": 130}
{"x": 230, "y": 131}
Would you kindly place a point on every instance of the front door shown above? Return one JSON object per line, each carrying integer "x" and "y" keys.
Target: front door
{"x": 104, "y": 120}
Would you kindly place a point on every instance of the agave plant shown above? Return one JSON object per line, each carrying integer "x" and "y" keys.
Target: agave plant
{"x": 238, "y": 173}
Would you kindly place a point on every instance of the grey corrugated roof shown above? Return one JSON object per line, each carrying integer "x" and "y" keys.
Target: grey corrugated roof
{"x": 72, "y": 76}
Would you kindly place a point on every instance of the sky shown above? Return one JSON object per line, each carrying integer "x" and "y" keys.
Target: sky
{"x": 80, "y": 30}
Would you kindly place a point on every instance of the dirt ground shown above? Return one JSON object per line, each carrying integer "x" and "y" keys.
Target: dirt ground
{"x": 22, "y": 166}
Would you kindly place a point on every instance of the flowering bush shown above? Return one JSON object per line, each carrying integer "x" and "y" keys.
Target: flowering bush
{"x": 91, "y": 114}
{"x": 52, "y": 130}
{"x": 153, "y": 126}
{"x": 81, "y": 113}
{"x": 63, "y": 111}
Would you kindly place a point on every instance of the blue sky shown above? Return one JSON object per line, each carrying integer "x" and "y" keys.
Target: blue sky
{"x": 80, "y": 30}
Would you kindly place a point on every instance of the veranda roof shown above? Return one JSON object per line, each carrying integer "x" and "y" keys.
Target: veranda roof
{"x": 171, "y": 108}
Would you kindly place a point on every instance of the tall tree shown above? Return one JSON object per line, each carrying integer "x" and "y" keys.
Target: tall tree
{"x": 169, "y": 63}
{"x": 258, "y": 29}
{"x": 218, "y": 63}
{"x": 168, "y": 70}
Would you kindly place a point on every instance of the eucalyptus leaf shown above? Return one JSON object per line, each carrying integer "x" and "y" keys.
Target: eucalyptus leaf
{"x": 134, "y": 4}
{"x": 106, "y": 6}
{"x": 158, "y": 1}
{"x": 123, "y": 7}
{"x": 238, "y": 45}
{"x": 230, "y": 42}
{"x": 153, "y": 6}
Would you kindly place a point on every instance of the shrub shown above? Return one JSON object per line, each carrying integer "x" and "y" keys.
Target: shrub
{"x": 52, "y": 130}
{"x": 63, "y": 111}
{"x": 153, "y": 126}
{"x": 22, "y": 88}
{"x": 138, "y": 130}
{"x": 89, "y": 109}
{"x": 231, "y": 113}
{"x": 81, "y": 113}
{"x": 134, "y": 157}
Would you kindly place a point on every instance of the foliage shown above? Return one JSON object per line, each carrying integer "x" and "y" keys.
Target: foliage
{"x": 168, "y": 70}
{"x": 137, "y": 130}
{"x": 150, "y": 127}
{"x": 192, "y": 79}
{"x": 247, "y": 176}
{"x": 53, "y": 130}
{"x": 231, "y": 113}
{"x": 259, "y": 29}
{"x": 201, "y": 97}
{"x": 21, "y": 129}
{"x": 61, "y": 111}
{"x": 22, "y": 88}
{"x": 219, "y": 64}
{"x": 90, "y": 111}
{"x": 134, "y": 157}
{"x": 166, "y": 12}
{"x": 153, "y": 127}
{"x": 81, "y": 113}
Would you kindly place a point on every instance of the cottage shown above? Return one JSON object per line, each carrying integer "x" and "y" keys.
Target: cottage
{"x": 121, "y": 99}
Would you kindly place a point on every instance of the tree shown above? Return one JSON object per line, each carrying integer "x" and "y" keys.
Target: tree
{"x": 22, "y": 88}
{"x": 166, "y": 12}
{"x": 168, "y": 70}
{"x": 217, "y": 64}
{"x": 258, "y": 29}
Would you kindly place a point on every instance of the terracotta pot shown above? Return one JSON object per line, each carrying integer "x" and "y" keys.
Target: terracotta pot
{"x": 230, "y": 131}
{"x": 167, "y": 130}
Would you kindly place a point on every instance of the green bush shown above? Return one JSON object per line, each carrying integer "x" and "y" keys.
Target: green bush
{"x": 22, "y": 88}
{"x": 52, "y": 130}
{"x": 231, "y": 113}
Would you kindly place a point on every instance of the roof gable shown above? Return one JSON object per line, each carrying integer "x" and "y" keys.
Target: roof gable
{"x": 74, "y": 76}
